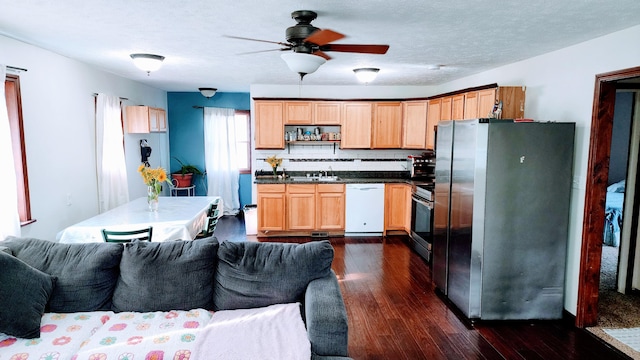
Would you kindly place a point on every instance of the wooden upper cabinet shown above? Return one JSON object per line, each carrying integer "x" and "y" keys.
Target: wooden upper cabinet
{"x": 327, "y": 112}
{"x": 471, "y": 105}
{"x": 297, "y": 112}
{"x": 387, "y": 125}
{"x": 445, "y": 108}
{"x": 433, "y": 117}
{"x": 356, "y": 125}
{"x": 145, "y": 119}
{"x": 512, "y": 98}
{"x": 457, "y": 107}
{"x": 414, "y": 124}
{"x": 269, "y": 124}
{"x": 486, "y": 100}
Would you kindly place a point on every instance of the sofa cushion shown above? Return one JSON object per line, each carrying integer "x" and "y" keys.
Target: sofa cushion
{"x": 164, "y": 276}
{"x": 24, "y": 292}
{"x": 253, "y": 274}
{"x": 86, "y": 273}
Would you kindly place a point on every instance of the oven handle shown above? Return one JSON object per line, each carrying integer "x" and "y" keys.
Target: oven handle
{"x": 421, "y": 201}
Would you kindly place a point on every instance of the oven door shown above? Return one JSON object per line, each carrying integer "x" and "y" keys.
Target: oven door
{"x": 422, "y": 226}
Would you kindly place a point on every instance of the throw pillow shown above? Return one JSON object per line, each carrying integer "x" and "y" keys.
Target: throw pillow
{"x": 24, "y": 292}
{"x": 164, "y": 276}
{"x": 253, "y": 274}
{"x": 86, "y": 273}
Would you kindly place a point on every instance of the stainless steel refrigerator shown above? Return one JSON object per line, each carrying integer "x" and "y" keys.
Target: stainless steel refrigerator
{"x": 502, "y": 194}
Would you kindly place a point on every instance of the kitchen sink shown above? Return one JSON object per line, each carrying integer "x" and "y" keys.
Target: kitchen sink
{"x": 314, "y": 178}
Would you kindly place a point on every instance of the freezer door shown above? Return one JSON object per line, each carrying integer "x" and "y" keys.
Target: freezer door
{"x": 529, "y": 171}
{"x": 444, "y": 142}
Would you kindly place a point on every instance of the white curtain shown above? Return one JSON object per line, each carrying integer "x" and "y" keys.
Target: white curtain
{"x": 221, "y": 157}
{"x": 9, "y": 217}
{"x": 113, "y": 190}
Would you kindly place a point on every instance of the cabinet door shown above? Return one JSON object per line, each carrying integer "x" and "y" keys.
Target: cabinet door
{"x": 486, "y": 100}
{"x": 269, "y": 124}
{"x": 301, "y": 204}
{"x": 433, "y": 116}
{"x": 137, "y": 119}
{"x": 398, "y": 207}
{"x": 356, "y": 125}
{"x": 471, "y": 105}
{"x": 457, "y": 107}
{"x": 327, "y": 113}
{"x": 445, "y": 108}
{"x": 271, "y": 207}
{"x": 157, "y": 120}
{"x": 414, "y": 125}
{"x": 387, "y": 125}
{"x": 330, "y": 211}
{"x": 512, "y": 98}
{"x": 297, "y": 112}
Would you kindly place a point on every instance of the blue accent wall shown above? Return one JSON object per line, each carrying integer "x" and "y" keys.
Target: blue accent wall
{"x": 186, "y": 132}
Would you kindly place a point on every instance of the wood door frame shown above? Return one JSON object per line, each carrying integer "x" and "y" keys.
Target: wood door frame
{"x": 595, "y": 193}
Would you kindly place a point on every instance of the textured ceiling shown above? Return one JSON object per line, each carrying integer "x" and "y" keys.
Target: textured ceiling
{"x": 465, "y": 36}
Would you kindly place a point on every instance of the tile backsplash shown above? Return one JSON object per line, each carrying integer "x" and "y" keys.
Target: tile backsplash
{"x": 322, "y": 157}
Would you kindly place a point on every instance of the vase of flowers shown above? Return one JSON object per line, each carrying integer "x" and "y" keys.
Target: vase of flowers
{"x": 274, "y": 162}
{"x": 154, "y": 179}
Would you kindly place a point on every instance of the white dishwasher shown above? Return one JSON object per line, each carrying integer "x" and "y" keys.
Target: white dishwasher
{"x": 364, "y": 210}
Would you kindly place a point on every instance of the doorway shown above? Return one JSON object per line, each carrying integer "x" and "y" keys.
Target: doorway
{"x": 595, "y": 192}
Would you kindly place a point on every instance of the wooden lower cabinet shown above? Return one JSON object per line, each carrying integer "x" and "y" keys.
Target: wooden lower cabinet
{"x": 271, "y": 206}
{"x": 397, "y": 214}
{"x": 330, "y": 209}
{"x": 301, "y": 207}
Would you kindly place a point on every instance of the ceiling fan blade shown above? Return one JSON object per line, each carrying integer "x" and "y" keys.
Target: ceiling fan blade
{"x": 250, "y": 39}
{"x": 356, "y": 48}
{"x": 261, "y": 51}
{"x": 321, "y": 54}
{"x": 323, "y": 37}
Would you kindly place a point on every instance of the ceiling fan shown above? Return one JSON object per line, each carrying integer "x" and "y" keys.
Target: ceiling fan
{"x": 309, "y": 44}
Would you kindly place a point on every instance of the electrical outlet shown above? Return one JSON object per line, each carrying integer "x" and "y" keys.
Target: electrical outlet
{"x": 69, "y": 202}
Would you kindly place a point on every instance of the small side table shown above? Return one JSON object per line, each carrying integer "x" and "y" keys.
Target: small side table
{"x": 189, "y": 190}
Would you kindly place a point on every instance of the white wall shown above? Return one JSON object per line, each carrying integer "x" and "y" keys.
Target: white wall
{"x": 59, "y": 127}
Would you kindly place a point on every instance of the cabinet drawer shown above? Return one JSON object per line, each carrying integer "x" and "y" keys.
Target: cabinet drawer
{"x": 273, "y": 188}
{"x": 326, "y": 188}
{"x": 301, "y": 189}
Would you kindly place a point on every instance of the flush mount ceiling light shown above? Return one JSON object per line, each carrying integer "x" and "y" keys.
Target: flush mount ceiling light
{"x": 147, "y": 62}
{"x": 366, "y": 75}
{"x": 208, "y": 92}
{"x": 303, "y": 63}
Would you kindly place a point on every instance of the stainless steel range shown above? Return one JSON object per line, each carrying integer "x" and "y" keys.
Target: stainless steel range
{"x": 422, "y": 219}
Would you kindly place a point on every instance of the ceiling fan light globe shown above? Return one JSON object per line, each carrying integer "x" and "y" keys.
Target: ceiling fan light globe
{"x": 147, "y": 62}
{"x": 303, "y": 63}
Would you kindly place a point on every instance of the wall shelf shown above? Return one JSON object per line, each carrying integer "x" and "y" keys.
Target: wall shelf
{"x": 312, "y": 143}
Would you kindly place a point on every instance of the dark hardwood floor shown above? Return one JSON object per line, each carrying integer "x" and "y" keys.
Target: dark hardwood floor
{"x": 394, "y": 312}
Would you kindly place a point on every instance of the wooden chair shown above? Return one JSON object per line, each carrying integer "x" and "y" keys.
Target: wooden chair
{"x": 209, "y": 226}
{"x": 127, "y": 236}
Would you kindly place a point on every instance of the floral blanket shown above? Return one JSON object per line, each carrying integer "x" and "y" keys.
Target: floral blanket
{"x": 277, "y": 330}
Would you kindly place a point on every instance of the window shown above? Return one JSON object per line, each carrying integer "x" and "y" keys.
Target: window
{"x": 14, "y": 109}
{"x": 243, "y": 143}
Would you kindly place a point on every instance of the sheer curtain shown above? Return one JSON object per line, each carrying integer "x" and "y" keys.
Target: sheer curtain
{"x": 9, "y": 217}
{"x": 220, "y": 157}
{"x": 110, "y": 162}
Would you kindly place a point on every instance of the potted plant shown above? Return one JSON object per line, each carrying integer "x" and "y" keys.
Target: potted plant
{"x": 184, "y": 176}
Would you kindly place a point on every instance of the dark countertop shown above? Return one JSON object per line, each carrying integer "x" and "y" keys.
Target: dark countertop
{"x": 344, "y": 177}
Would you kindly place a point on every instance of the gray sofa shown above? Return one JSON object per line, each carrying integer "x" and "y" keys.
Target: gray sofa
{"x": 44, "y": 276}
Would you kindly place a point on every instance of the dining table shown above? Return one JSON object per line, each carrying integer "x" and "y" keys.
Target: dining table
{"x": 177, "y": 218}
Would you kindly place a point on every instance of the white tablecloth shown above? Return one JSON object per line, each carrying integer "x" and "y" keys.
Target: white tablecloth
{"x": 177, "y": 218}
